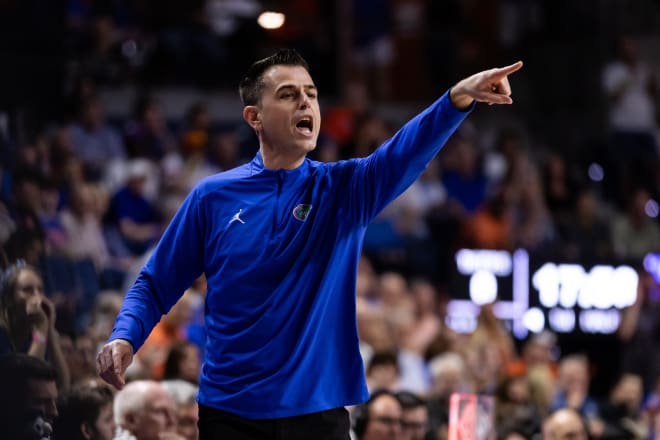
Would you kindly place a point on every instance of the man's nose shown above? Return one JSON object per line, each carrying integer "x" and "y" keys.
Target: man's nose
{"x": 304, "y": 100}
{"x": 171, "y": 419}
{"x": 51, "y": 410}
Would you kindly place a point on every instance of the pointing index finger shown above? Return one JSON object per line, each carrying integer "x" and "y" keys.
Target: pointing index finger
{"x": 508, "y": 70}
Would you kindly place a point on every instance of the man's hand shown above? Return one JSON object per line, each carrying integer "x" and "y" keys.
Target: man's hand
{"x": 491, "y": 86}
{"x": 113, "y": 360}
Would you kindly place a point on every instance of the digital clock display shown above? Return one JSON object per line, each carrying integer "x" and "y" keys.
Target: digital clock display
{"x": 534, "y": 295}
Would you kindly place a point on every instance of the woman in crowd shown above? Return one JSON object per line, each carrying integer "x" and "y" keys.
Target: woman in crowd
{"x": 27, "y": 319}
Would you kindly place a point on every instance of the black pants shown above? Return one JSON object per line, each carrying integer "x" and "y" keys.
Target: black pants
{"x": 332, "y": 424}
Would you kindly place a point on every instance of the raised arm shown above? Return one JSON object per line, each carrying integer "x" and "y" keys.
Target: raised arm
{"x": 378, "y": 179}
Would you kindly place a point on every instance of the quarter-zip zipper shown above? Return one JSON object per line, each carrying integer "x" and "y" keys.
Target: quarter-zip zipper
{"x": 279, "y": 183}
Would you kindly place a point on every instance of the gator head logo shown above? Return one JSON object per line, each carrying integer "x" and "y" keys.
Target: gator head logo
{"x": 301, "y": 212}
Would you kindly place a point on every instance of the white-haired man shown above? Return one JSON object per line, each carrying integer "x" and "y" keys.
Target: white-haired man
{"x": 185, "y": 396}
{"x": 144, "y": 410}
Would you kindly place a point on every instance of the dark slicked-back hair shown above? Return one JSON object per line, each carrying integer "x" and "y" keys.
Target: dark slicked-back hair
{"x": 252, "y": 84}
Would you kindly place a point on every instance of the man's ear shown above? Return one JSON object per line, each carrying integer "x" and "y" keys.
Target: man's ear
{"x": 252, "y": 116}
{"x": 130, "y": 420}
{"x": 87, "y": 431}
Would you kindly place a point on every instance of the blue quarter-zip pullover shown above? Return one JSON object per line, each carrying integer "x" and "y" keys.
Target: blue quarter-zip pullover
{"x": 280, "y": 250}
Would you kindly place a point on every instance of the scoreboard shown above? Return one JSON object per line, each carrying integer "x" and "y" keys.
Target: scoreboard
{"x": 531, "y": 294}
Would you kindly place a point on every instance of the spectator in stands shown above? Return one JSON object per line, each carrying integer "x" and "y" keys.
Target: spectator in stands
{"x": 586, "y": 236}
{"x": 341, "y": 119}
{"x": 383, "y": 372}
{"x": 183, "y": 168}
{"x": 83, "y": 227}
{"x": 565, "y": 424}
{"x": 415, "y": 331}
{"x": 372, "y": 48}
{"x": 85, "y": 413}
{"x": 28, "y": 401}
{"x": 147, "y": 134}
{"x": 639, "y": 332}
{"x": 533, "y": 225}
{"x": 153, "y": 354}
{"x": 27, "y": 319}
{"x": 622, "y": 412}
{"x": 55, "y": 234}
{"x": 491, "y": 226}
{"x": 225, "y": 150}
{"x": 463, "y": 177}
{"x": 379, "y": 418}
{"x": 371, "y": 131}
{"x": 376, "y": 335}
{"x": 559, "y": 188}
{"x": 7, "y": 224}
{"x": 144, "y": 410}
{"x": 630, "y": 86}
{"x": 184, "y": 394}
{"x": 196, "y": 133}
{"x": 183, "y": 362}
{"x": 449, "y": 375}
{"x": 79, "y": 351}
{"x": 103, "y": 314}
{"x": 541, "y": 388}
{"x": 539, "y": 349}
{"x": 26, "y": 244}
{"x": 94, "y": 140}
{"x": 514, "y": 408}
{"x": 573, "y": 391}
{"x": 133, "y": 214}
{"x": 24, "y": 206}
{"x": 488, "y": 350}
{"x": 414, "y": 417}
{"x": 634, "y": 233}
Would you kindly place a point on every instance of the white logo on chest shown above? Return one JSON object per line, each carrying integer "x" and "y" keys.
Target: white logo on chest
{"x": 236, "y": 218}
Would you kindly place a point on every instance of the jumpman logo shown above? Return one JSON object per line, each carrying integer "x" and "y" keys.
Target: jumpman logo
{"x": 236, "y": 218}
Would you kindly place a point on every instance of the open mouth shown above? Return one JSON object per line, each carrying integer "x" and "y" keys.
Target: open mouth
{"x": 305, "y": 125}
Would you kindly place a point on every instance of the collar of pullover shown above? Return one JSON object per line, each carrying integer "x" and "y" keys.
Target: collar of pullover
{"x": 257, "y": 167}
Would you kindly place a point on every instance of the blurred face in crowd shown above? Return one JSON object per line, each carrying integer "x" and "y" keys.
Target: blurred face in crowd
{"x": 104, "y": 426}
{"x": 574, "y": 375}
{"x": 158, "y": 415}
{"x": 190, "y": 365}
{"x": 42, "y": 398}
{"x": 83, "y": 200}
{"x": 187, "y": 416}
{"x": 448, "y": 381}
{"x": 415, "y": 422}
{"x": 93, "y": 115}
{"x": 384, "y": 419}
{"x": 564, "y": 424}
{"x": 629, "y": 391}
{"x": 28, "y": 293}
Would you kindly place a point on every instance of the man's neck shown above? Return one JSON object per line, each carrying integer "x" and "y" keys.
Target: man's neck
{"x": 279, "y": 161}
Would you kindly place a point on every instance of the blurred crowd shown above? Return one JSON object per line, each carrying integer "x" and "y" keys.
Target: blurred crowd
{"x": 84, "y": 198}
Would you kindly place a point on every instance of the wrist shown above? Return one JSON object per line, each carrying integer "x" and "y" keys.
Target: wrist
{"x": 461, "y": 101}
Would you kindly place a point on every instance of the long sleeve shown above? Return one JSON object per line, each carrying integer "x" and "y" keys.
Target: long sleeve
{"x": 175, "y": 263}
{"x": 379, "y": 178}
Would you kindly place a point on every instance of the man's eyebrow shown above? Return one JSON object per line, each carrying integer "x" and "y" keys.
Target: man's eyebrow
{"x": 293, "y": 87}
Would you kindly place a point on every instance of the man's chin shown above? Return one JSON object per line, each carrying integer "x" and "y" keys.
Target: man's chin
{"x": 309, "y": 147}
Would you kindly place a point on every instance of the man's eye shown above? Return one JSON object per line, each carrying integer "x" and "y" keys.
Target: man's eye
{"x": 311, "y": 95}
{"x": 287, "y": 95}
